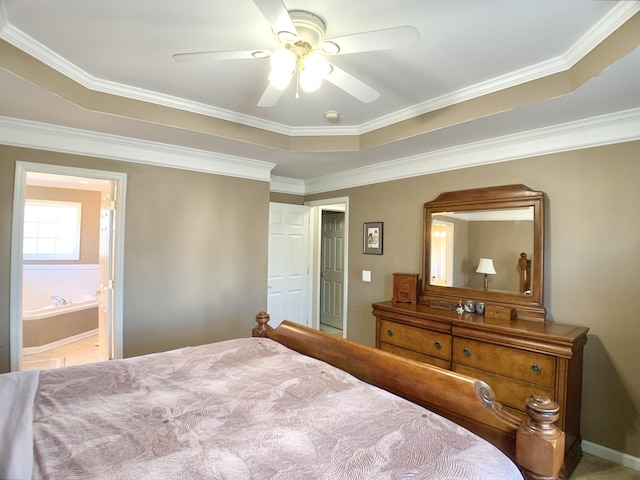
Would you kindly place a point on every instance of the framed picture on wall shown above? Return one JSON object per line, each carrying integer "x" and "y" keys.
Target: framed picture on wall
{"x": 372, "y": 238}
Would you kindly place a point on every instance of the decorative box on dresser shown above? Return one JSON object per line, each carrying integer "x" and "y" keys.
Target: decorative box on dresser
{"x": 406, "y": 287}
{"x": 517, "y": 358}
{"x": 512, "y": 346}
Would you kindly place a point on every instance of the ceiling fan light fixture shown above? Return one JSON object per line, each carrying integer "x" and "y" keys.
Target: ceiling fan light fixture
{"x": 330, "y": 48}
{"x": 302, "y": 34}
{"x": 308, "y": 82}
{"x": 260, "y": 54}
{"x": 287, "y": 37}
{"x": 280, "y": 79}
{"x": 283, "y": 59}
{"x": 316, "y": 65}
{"x": 283, "y": 66}
{"x": 310, "y": 28}
{"x": 313, "y": 70}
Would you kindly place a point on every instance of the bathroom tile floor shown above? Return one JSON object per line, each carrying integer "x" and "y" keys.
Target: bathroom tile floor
{"x": 76, "y": 353}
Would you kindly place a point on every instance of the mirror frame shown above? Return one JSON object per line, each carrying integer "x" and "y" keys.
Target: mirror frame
{"x": 490, "y": 198}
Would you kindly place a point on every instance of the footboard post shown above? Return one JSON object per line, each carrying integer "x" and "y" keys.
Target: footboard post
{"x": 539, "y": 443}
{"x": 263, "y": 326}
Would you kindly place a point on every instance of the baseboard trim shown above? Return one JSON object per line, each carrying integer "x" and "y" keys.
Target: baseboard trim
{"x": 59, "y": 343}
{"x": 623, "y": 459}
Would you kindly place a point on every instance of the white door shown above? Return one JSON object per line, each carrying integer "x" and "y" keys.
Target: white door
{"x": 288, "y": 270}
{"x": 104, "y": 293}
{"x": 332, "y": 269}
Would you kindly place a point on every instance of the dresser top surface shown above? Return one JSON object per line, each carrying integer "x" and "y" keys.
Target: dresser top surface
{"x": 546, "y": 329}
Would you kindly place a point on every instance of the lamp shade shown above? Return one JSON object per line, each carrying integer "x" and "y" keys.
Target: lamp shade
{"x": 486, "y": 266}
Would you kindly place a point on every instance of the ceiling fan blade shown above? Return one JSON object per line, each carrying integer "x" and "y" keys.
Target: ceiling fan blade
{"x": 270, "y": 96}
{"x": 350, "y": 84}
{"x": 218, "y": 55}
{"x": 385, "y": 39}
{"x": 277, "y": 16}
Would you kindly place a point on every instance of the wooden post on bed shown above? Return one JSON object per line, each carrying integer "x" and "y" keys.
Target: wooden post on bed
{"x": 536, "y": 445}
{"x": 525, "y": 273}
{"x": 539, "y": 443}
{"x": 263, "y": 326}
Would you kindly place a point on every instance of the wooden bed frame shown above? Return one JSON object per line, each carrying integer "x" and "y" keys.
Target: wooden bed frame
{"x": 536, "y": 446}
{"x": 525, "y": 273}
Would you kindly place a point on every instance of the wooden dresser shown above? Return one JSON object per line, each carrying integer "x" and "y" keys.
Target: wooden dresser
{"x": 517, "y": 358}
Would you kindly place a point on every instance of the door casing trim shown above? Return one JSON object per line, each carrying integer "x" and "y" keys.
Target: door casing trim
{"x": 15, "y": 295}
{"x": 317, "y": 206}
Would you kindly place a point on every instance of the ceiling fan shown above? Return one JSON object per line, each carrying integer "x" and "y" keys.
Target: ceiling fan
{"x": 304, "y": 50}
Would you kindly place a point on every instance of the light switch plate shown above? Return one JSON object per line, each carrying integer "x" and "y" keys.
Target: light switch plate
{"x": 366, "y": 275}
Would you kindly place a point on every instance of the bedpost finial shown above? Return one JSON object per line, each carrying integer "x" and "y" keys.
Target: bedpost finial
{"x": 543, "y": 412}
{"x": 260, "y": 330}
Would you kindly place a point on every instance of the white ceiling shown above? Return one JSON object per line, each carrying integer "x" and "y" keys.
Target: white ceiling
{"x": 468, "y": 48}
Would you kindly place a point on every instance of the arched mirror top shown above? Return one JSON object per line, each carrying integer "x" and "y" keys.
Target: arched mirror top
{"x": 485, "y": 245}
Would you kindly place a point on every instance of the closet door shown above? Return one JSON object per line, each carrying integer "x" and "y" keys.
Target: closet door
{"x": 288, "y": 270}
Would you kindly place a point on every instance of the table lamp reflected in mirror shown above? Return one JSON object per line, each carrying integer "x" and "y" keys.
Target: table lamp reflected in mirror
{"x": 485, "y": 266}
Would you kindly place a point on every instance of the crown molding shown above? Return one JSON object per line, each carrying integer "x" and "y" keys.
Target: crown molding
{"x": 618, "y": 15}
{"x": 43, "y": 136}
{"x": 612, "y": 21}
{"x": 287, "y": 185}
{"x": 592, "y": 132}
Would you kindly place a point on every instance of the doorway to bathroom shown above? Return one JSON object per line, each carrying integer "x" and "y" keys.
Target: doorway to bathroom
{"x": 66, "y": 270}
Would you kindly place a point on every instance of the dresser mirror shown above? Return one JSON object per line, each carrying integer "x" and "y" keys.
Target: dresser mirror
{"x": 485, "y": 245}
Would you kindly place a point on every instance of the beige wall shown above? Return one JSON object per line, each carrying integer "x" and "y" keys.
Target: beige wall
{"x": 90, "y": 231}
{"x": 287, "y": 198}
{"x": 195, "y": 265}
{"x": 196, "y": 258}
{"x": 490, "y": 240}
{"x": 591, "y": 263}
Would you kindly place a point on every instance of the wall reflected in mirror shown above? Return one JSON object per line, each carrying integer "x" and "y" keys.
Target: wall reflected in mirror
{"x": 460, "y": 239}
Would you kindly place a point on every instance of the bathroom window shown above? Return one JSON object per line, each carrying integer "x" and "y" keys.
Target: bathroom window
{"x": 51, "y": 230}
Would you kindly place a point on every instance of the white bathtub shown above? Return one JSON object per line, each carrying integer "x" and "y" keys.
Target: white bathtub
{"x": 55, "y": 310}
{"x": 53, "y": 326}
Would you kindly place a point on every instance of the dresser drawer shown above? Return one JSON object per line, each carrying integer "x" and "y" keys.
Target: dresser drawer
{"x": 509, "y": 392}
{"x": 413, "y": 355}
{"x": 526, "y": 366}
{"x": 430, "y": 343}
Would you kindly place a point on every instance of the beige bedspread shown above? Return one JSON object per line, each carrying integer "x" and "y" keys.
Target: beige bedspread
{"x": 242, "y": 409}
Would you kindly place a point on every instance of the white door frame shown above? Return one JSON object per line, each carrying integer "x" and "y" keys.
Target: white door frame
{"x": 15, "y": 310}
{"x": 316, "y": 238}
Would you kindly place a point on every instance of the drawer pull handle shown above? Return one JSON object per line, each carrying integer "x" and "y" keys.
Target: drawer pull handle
{"x": 536, "y": 369}
{"x": 466, "y": 352}
{"x": 438, "y": 345}
{"x": 390, "y": 332}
